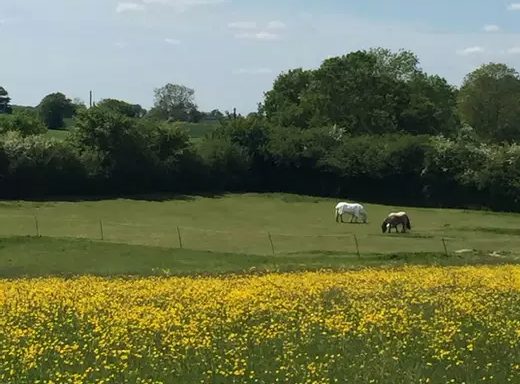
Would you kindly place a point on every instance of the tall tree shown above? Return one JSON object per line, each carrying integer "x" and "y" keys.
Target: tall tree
{"x": 285, "y": 105}
{"x": 5, "y": 107}
{"x": 431, "y": 107}
{"x": 122, "y": 107}
{"x": 489, "y": 101}
{"x": 54, "y": 108}
{"x": 176, "y": 103}
{"x": 364, "y": 92}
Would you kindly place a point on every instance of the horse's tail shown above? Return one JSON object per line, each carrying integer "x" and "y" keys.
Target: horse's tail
{"x": 336, "y": 213}
{"x": 408, "y": 224}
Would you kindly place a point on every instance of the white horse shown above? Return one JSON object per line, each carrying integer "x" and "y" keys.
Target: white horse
{"x": 354, "y": 209}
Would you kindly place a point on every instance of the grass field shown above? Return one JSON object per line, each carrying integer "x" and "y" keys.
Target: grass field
{"x": 412, "y": 325}
{"x": 195, "y": 130}
{"x": 136, "y": 308}
{"x": 231, "y": 233}
{"x": 59, "y": 134}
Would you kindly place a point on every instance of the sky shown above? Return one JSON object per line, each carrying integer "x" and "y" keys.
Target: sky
{"x": 231, "y": 51}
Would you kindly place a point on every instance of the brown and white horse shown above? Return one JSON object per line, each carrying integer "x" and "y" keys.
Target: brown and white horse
{"x": 394, "y": 219}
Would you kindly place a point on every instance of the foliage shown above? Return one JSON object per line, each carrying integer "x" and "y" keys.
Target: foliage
{"x": 413, "y": 324}
{"x": 112, "y": 144}
{"x": 4, "y": 101}
{"x": 122, "y": 107}
{"x": 175, "y": 102}
{"x": 24, "y": 121}
{"x": 365, "y": 92}
{"x": 54, "y": 108}
{"x": 36, "y": 165}
{"x": 371, "y": 125}
{"x": 488, "y": 101}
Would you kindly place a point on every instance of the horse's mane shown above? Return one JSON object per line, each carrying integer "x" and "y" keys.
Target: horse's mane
{"x": 398, "y": 214}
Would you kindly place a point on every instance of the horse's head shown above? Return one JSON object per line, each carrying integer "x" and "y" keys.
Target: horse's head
{"x": 385, "y": 225}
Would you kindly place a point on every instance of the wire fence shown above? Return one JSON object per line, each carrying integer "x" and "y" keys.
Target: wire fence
{"x": 250, "y": 242}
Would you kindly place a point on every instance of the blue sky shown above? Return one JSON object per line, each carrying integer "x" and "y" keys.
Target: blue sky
{"x": 230, "y": 51}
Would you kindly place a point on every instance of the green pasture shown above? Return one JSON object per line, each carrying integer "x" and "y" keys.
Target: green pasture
{"x": 235, "y": 233}
{"x": 59, "y": 134}
{"x": 196, "y": 130}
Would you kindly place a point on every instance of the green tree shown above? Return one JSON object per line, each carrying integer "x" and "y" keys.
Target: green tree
{"x": 359, "y": 93}
{"x": 111, "y": 143}
{"x": 284, "y": 105}
{"x": 431, "y": 107}
{"x": 54, "y": 108}
{"x": 24, "y": 121}
{"x": 489, "y": 102}
{"x": 4, "y": 101}
{"x": 122, "y": 107}
{"x": 175, "y": 103}
{"x": 364, "y": 92}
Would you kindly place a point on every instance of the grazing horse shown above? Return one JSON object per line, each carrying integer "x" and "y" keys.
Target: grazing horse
{"x": 354, "y": 209}
{"x": 394, "y": 219}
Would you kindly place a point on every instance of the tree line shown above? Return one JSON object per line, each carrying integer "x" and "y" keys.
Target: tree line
{"x": 370, "y": 125}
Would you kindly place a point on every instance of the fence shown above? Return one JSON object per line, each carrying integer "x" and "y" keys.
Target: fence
{"x": 248, "y": 242}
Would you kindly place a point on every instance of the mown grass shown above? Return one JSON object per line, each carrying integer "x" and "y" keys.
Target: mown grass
{"x": 60, "y": 134}
{"x": 241, "y": 224}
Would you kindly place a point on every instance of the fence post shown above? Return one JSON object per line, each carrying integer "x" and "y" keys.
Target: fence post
{"x": 101, "y": 229}
{"x": 36, "y": 224}
{"x": 357, "y": 246}
{"x": 180, "y": 237}
{"x": 445, "y": 247}
{"x": 271, "y": 242}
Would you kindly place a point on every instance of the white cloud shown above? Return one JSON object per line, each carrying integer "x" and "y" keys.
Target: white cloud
{"x": 514, "y": 51}
{"x": 121, "y": 44}
{"x": 253, "y": 71}
{"x": 263, "y": 35}
{"x": 491, "y": 28}
{"x": 129, "y": 7}
{"x": 514, "y": 7}
{"x": 172, "y": 41}
{"x": 471, "y": 50}
{"x": 275, "y": 24}
{"x": 242, "y": 25}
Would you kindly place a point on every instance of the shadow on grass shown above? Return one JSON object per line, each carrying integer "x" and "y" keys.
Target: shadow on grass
{"x": 493, "y": 230}
{"x": 45, "y": 257}
{"x": 152, "y": 197}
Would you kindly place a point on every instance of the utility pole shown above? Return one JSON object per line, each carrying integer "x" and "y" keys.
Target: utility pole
{"x": 90, "y": 99}
{"x": 234, "y": 113}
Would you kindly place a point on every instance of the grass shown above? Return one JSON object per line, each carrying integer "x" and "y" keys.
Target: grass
{"x": 410, "y": 325}
{"x": 232, "y": 233}
{"x": 59, "y": 134}
{"x": 399, "y": 325}
{"x": 44, "y": 257}
{"x": 242, "y": 224}
{"x": 196, "y": 130}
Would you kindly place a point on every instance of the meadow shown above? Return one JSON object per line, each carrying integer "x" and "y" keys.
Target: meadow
{"x": 196, "y": 130}
{"x": 302, "y": 229}
{"x": 106, "y": 293}
{"x": 410, "y": 325}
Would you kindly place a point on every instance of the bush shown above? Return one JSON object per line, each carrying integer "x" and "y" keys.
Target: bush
{"x": 38, "y": 166}
{"x": 23, "y": 121}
